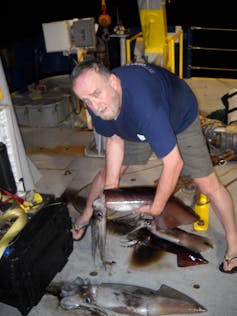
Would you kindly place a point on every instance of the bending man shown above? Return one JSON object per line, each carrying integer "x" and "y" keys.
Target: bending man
{"x": 141, "y": 108}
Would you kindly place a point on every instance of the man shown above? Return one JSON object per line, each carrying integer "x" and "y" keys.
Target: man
{"x": 145, "y": 105}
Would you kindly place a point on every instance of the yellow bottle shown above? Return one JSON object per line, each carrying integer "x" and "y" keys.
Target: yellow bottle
{"x": 202, "y": 210}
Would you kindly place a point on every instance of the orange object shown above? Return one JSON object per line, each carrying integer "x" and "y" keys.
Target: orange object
{"x": 104, "y": 19}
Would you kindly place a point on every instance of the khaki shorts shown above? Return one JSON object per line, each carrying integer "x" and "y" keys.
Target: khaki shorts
{"x": 192, "y": 146}
{"x": 136, "y": 153}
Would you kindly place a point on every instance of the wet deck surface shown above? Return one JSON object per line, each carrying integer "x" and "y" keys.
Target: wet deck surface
{"x": 58, "y": 155}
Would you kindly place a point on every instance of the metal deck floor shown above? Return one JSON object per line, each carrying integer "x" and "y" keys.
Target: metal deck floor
{"x": 62, "y": 166}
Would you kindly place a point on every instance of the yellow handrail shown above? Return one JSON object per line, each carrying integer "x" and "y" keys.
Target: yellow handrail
{"x": 169, "y": 50}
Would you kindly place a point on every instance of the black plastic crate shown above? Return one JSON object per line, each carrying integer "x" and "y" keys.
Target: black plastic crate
{"x": 38, "y": 254}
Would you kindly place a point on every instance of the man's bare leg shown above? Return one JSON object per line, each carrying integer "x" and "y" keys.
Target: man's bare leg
{"x": 223, "y": 206}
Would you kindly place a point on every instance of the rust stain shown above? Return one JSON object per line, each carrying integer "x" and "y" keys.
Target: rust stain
{"x": 61, "y": 150}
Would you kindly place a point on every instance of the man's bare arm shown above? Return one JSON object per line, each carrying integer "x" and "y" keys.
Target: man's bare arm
{"x": 172, "y": 166}
{"x": 114, "y": 160}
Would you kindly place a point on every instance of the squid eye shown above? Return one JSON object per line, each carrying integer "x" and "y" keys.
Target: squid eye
{"x": 88, "y": 300}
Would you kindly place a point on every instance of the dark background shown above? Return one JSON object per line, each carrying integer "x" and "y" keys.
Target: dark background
{"x": 24, "y": 18}
{"x": 21, "y": 19}
{"x": 22, "y": 41}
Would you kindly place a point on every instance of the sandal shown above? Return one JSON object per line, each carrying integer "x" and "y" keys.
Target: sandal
{"x": 77, "y": 228}
{"x": 228, "y": 259}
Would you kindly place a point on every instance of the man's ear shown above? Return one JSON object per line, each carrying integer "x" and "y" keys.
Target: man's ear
{"x": 113, "y": 80}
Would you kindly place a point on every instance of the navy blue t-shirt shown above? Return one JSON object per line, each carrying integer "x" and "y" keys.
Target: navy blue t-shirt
{"x": 156, "y": 106}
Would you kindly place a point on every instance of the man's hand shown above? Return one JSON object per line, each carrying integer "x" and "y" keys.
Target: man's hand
{"x": 147, "y": 209}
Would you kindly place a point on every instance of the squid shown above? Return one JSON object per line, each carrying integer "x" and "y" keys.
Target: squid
{"x": 126, "y": 299}
{"x": 159, "y": 232}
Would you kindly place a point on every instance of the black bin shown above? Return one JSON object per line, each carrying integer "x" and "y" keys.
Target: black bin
{"x": 38, "y": 254}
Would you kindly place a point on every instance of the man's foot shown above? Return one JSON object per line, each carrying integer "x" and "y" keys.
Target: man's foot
{"x": 79, "y": 230}
{"x": 230, "y": 264}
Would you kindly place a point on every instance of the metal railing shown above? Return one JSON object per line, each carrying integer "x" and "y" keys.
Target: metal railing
{"x": 212, "y": 51}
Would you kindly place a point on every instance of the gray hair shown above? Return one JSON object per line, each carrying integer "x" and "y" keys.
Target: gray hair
{"x": 84, "y": 66}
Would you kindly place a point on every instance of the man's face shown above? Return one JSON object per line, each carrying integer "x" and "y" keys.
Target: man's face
{"x": 101, "y": 95}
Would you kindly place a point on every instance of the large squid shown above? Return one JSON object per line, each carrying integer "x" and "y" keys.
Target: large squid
{"x": 126, "y": 299}
{"x": 160, "y": 232}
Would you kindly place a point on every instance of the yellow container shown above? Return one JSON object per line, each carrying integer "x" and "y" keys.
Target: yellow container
{"x": 154, "y": 30}
{"x": 202, "y": 210}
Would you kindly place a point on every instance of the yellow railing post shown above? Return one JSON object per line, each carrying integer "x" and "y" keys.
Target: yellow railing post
{"x": 171, "y": 52}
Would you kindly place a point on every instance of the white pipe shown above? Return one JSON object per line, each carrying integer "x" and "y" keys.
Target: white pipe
{"x": 27, "y": 172}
